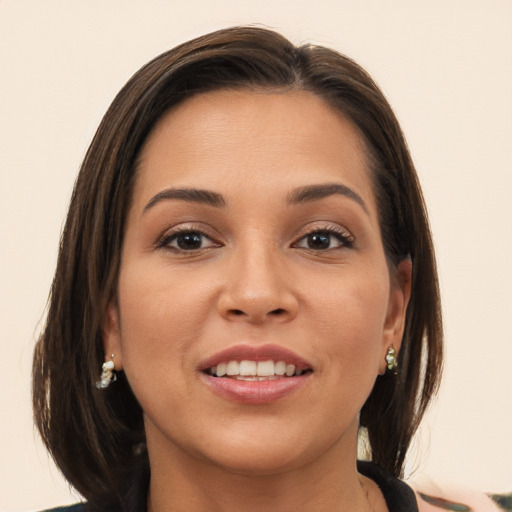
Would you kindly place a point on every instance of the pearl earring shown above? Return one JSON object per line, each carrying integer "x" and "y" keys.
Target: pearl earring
{"x": 107, "y": 374}
{"x": 391, "y": 359}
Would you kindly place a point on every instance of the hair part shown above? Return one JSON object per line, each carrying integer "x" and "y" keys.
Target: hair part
{"x": 69, "y": 353}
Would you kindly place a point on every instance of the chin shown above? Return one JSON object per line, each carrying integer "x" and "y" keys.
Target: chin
{"x": 259, "y": 453}
{"x": 263, "y": 461}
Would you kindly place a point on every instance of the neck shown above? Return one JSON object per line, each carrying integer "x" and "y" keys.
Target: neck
{"x": 330, "y": 482}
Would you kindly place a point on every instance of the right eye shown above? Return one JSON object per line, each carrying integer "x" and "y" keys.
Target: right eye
{"x": 187, "y": 241}
{"x": 325, "y": 239}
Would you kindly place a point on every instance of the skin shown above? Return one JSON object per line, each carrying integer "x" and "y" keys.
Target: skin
{"x": 255, "y": 278}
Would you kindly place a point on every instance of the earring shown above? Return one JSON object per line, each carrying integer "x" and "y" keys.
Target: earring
{"x": 391, "y": 359}
{"x": 107, "y": 374}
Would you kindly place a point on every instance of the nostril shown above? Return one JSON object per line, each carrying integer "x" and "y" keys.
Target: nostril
{"x": 274, "y": 312}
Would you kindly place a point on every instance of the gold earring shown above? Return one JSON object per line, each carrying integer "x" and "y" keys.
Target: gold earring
{"x": 107, "y": 374}
{"x": 391, "y": 359}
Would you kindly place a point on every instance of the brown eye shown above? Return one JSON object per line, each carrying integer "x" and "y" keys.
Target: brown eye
{"x": 187, "y": 241}
{"x": 324, "y": 240}
{"x": 319, "y": 241}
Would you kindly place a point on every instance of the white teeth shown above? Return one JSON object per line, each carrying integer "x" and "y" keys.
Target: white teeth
{"x": 280, "y": 368}
{"x": 233, "y": 368}
{"x": 248, "y": 368}
{"x": 265, "y": 369}
{"x": 252, "y": 370}
{"x": 221, "y": 369}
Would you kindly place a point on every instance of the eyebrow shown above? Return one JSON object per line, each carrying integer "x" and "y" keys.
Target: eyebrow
{"x": 194, "y": 195}
{"x": 297, "y": 196}
{"x": 316, "y": 192}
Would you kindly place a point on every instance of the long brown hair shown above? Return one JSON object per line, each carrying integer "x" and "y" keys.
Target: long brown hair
{"x": 93, "y": 434}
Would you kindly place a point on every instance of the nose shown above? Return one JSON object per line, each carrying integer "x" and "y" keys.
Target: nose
{"x": 258, "y": 289}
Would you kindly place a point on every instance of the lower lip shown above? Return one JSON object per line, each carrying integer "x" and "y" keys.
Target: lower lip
{"x": 255, "y": 392}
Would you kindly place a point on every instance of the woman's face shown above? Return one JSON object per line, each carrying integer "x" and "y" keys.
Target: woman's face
{"x": 254, "y": 236}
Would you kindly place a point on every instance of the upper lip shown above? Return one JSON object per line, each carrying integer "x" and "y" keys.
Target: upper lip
{"x": 248, "y": 352}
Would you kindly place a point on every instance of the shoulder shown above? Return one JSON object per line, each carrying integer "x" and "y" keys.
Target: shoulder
{"x": 427, "y": 496}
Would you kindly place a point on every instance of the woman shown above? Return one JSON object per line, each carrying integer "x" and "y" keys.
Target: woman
{"x": 246, "y": 283}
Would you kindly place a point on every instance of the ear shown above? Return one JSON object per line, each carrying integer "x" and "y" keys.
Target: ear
{"x": 399, "y": 296}
{"x": 112, "y": 336}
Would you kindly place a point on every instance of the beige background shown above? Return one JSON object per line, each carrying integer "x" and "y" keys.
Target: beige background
{"x": 446, "y": 66}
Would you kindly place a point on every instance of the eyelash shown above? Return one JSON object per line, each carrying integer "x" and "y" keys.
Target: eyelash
{"x": 343, "y": 236}
{"x": 346, "y": 239}
{"x": 168, "y": 238}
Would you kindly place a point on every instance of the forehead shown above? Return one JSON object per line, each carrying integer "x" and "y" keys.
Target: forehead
{"x": 257, "y": 137}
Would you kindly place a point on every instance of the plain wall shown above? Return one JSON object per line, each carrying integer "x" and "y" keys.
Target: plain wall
{"x": 446, "y": 67}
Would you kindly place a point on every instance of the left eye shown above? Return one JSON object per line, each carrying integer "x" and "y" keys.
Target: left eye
{"x": 188, "y": 241}
{"x": 323, "y": 240}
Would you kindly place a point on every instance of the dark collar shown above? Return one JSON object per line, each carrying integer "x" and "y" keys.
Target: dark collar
{"x": 398, "y": 495}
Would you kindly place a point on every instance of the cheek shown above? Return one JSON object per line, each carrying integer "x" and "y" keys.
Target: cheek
{"x": 349, "y": 314}
{"x": 161, "y": 317}
{"x": 349, "y": 327}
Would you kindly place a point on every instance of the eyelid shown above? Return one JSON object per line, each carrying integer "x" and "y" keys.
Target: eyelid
{"x": 174, "y": 232}
{"x": 341, "y": 233}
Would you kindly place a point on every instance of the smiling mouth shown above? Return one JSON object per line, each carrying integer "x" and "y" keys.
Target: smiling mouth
{"x": 247, "y": 370}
